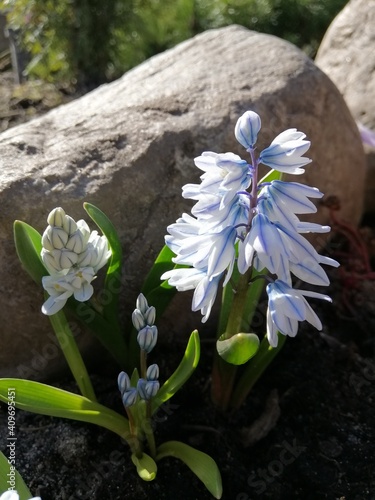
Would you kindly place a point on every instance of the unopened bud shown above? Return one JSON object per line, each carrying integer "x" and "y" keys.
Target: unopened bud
{"x": 65, "y": 259}
{"x": 76, "y": 242}
{"x": 129, "y": 397}
{"x": 147, "y": 389}
{"x": 150, "y": 315}
{"x": 147, "y": 338}
{"x": 152, "y": 372}
{"x": 247, "y": 128}
{"x": 123, "y": 382}
{"x": 138, "y": 320}
{"x": 69, "y": 225}
{"x": 141, "y": 303}
{"x": 56, "y": 217}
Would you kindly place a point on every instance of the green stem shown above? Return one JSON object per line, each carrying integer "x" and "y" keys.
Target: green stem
{"x": 254, "y": 369}
{"x": 143, "y": 363}
{"x": 149, "y": 432}
{"x": 133, "y": 440}
{"x": 72, "y": 354}
{"x": 224, "y": 374}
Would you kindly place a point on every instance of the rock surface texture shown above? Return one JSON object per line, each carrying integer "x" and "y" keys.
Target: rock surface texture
{"x": 128, "y": 147}
{"x": 347, "y": 56}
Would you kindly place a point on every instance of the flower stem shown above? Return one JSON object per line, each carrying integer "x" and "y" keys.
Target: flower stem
{"x": 72, "y": 354}
{"x": 224, "y": 374}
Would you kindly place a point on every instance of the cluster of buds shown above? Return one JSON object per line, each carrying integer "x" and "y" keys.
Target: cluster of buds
{"x": 72, "y": 255}
{"x": 143, "y": 319}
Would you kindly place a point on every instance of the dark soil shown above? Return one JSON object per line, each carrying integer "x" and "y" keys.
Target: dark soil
{"x": 310, "y": 419}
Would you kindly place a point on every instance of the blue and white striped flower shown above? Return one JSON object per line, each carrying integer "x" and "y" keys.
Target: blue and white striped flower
{"x": 286, "y": 307}
{"x": 224, "y": 175}
{"x": 236, "y": 221}
{"x": 285, "y": 153}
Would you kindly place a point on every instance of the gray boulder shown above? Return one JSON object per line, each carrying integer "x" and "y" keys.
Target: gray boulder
{"x": 347, "y": 56}
{"x": 128, "y": 147}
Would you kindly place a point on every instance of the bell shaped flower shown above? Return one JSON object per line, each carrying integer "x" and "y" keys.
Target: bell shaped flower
{"x": 264, "y": 238}
{"x": 286, "y": 307}
{"x": 247, "y": 129}
{"x": 285, "y": 153}
{"x": 65, "y": 284}
{"x": 280, "y": 201}
{"x": 225, "y": 175}
{"x": 147, "y": 389}
{"x": 205, "y": 295}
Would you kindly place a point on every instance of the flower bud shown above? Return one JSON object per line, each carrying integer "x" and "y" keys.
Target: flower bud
{"x": 49, "y": 262}
{"x": 138, "y": 320}
{"x": 123, "y": 382}
{"x": 147, "y": 389}
{"x": 56, "y": 217}
{"x": 247, "y": 128}
{"x": 64, "y": 258}
{"x": 147, "y": 338}
{"x": 129, "y": 397}
{"x": 69, "y": 225}
{"x": 150, "y": 315}
{"x": 76, "y": 242}
{"x": 152, "y": 372}
{"x": 141, "y": 303}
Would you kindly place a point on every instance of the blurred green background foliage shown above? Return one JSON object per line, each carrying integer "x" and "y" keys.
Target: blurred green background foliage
{"x": 88, "y": 42}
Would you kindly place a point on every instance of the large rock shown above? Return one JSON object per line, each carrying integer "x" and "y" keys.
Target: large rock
{"x": 347, "y": 56}
{"x": 128, "y": 147}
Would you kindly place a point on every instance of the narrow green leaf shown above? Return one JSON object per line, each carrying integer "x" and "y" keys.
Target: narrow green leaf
{"x": 146, "y": 466}
{"x": 47, "y": 400}
{"x": 8, "y": 468}
{"x": 28, "y": 246}
{"x": 107, "y": 333}
{"x": 239, "y": 348}
{"x": 159, "y": 293}
{"x": 112, "y": 285}
{"x": 203, "y": 466}
{"x": 183, "y": 372}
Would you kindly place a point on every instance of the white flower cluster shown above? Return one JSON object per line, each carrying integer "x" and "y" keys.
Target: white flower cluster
{"x": 13, "y": 495}
{"x": 237, "y": 221}
{"x": 72, "y": 255}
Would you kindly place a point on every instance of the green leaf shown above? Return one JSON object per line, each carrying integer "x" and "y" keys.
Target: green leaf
{"x": 107, "y": 333}
{"x": 273, "y": 175}
{"x": 112, "y": 285}
{"x": 203, "y": 466}
{"x": 183, "y": 372}
{"x": 159, "y": 293}
{"x": 146, "y": 466}
{"x": 239, "y": 348}
{"x": 47, "y": 400}
{"x": 8, "y": 468}
{"x": 28, "y": 246}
